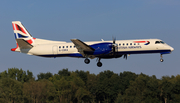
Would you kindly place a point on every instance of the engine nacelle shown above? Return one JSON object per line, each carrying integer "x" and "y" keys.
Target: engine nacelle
{"x": 101, "y": 48}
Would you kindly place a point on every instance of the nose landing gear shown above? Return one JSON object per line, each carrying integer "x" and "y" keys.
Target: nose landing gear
{"x": 161, "y": 58}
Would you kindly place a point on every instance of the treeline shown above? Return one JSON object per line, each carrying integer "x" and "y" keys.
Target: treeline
{"x": 18, "y": 86}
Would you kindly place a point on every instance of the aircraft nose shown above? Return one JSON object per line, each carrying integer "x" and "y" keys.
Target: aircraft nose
{"x": 172, "y": 49}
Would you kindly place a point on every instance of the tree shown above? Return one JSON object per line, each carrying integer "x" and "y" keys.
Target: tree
{"x": 64, "y": 72}
{"x": 176, "y": 89}
{"x": 144, "y": 89}
{"x": 4, "y": 74}
{"x": 82, "y": 75}
{"x": 107, "y": 87}
{"x": 44, "y": 75}
{"x": 91, "y": 87}
{"x": 10, "y": 90}
{"x": 17, "y": 74}
{"x": 167, "y": 89}
{"x": 39, "y": 91}
{"x": 63, "y": 90}
{"x": 78, "y": 88}
{"x": 125, "y": 79}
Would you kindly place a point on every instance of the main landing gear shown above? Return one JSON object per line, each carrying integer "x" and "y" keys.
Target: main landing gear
{"x": 99, "y": 64}
{"x": 87, "y": 61}
{"x": 161, "y": 58}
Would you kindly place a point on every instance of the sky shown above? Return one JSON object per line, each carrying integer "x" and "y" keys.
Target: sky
{"x": 92, "y": 20}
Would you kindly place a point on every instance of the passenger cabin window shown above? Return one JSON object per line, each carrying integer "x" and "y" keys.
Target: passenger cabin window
{"x": 119, "y": 44}
{"x": 127, "y": 44}
{"x": 70, "y": 46}
{"x": 63, "y": 46}
{"x": 59, "y": 46}
{"x": 130, "y": 43}
{"x": 66, "y": 46}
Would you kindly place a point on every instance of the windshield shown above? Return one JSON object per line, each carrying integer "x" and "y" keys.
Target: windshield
{"x": 162, "y": 42}
{"x": 159, "y": 42}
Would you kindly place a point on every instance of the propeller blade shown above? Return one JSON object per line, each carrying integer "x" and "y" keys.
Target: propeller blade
{"x": 114, "y": 50}
{"x": 114, "y": 47}
{"x": 114, "y": 40}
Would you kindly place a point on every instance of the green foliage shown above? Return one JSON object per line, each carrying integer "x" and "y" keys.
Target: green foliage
{"x": 17, "y": 74}
{"x": 18, "y": 86}
{"x": 107, "y": 87}
{"x": 64, "y": 72}
{"x": 10, "y": 90}
{"x": 143, "y": 89}
{"x": 39, "y": 91}
{"x": 44, "y": 75}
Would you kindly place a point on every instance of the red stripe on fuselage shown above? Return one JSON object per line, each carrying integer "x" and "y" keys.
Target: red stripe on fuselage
{"x": 141, "y": 41}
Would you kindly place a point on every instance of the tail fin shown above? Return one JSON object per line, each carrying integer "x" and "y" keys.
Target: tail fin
{"x": 23, "y": 38}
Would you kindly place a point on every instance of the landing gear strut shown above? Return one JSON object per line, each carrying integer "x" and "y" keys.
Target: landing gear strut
{"x": 87, "y": 61}
{"x": 161, "y": 58}
{"x": 99, "y": 64}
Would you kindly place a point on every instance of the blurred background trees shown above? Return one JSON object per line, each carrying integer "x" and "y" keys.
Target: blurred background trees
{"x": 18, "y": 86}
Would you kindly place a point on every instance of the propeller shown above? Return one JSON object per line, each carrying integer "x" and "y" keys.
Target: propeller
{"x": 114, "y": 46}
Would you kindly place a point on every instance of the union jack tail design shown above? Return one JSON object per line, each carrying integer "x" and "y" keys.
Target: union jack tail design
{"x": 23, "y": 38}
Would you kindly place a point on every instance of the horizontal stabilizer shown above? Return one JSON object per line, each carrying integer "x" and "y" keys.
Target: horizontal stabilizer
{"x": 23, "y": 44}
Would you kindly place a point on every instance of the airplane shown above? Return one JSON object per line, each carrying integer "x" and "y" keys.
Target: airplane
{"x": 89, "y": 50}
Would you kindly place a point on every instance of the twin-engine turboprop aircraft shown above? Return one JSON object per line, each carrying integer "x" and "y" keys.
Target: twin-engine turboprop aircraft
{"x": 94, "y": 49}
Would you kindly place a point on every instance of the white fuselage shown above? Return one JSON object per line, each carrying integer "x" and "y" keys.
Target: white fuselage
{"x": 63, "y": 49}
{"x": 77, "y": 48}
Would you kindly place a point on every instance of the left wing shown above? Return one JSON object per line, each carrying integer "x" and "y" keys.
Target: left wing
{"x": 82, "y": 47}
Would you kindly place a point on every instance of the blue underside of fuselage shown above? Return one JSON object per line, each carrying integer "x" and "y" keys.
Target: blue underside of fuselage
{"x": 118, "y": 54}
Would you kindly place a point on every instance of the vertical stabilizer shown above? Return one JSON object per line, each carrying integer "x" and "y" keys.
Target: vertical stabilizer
{"x": 20, "y": 34}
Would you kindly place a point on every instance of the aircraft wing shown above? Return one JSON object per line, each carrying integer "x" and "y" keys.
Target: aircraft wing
{"x": 81, "y": 46}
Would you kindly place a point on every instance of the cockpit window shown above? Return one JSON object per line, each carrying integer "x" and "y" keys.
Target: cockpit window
{"x": 162, "y": 42}
{"x": 159, "y": 42}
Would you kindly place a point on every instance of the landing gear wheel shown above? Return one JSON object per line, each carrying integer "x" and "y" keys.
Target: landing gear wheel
{"x": 99, "y": 64}
{"x": 161, "y": 60}
{"x": 87, "y": 61}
